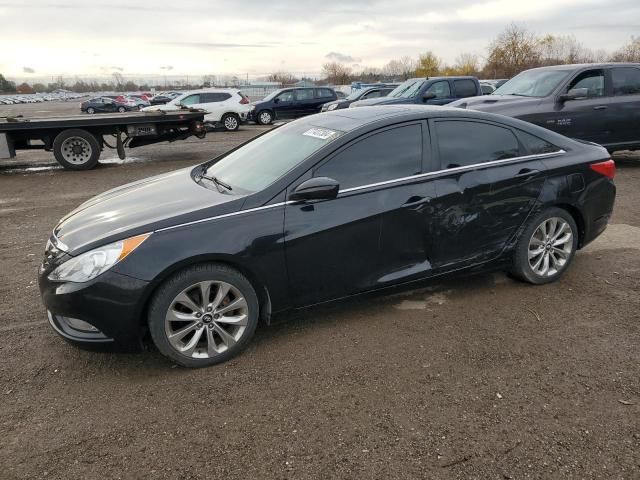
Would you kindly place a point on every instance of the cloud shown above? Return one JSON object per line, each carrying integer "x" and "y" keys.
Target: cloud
{"x": 341, "y": 57}
{"x": 119, "y": 69}
{"x": 221, "y": 45}
{"x": 28, "y": 70}
{"x": 167, "y": 67}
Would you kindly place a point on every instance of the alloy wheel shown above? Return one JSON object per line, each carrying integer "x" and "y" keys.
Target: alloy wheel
{"x": 206, "y": 319}
{"x": 230, "y": 122}
{"x": 550, "y": 247}
{"x": 265, "y": 118}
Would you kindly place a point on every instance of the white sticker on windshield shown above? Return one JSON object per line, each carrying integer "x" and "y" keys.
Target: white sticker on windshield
{"x": 321, "y": 133}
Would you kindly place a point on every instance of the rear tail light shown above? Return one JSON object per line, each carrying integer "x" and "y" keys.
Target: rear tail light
{"x": 244, "y": 101}
{"x": 607, "y": 168}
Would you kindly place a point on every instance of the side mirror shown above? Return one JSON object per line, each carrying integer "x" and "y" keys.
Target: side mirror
{"x": 428, "y": 96}
{"x": 317, "y": 188}
{"x": 574, "y": 94}
{"x": 276, "y": 100}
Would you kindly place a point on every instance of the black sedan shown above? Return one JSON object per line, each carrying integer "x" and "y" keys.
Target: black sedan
{"x": 105, "y": 105}
{"x": 363, "y": 94}
{"x": 322, "y": 208}
{"x": 290, "y": 103}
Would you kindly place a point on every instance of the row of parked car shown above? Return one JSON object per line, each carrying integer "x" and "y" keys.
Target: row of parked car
{"x": 596, "y": 102}
{"x": 37, "y": 98}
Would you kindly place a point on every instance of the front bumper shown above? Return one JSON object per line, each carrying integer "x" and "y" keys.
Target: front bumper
{"x": 111, "y": 303}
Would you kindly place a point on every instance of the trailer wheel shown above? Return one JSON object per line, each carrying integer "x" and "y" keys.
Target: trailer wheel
{"x": 76, "y": 149}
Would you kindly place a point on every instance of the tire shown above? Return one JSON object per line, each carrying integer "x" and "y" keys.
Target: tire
{"x": 76, "y": 149}
{"x": 91, "y": 110}
{"x": 230, "y": 122}
{"x": 213, "y": 341}
{"x": 264, "y": 117}
{"x": 557, "y": 223}
{"x": 140, "y": 107}
{"x": 122, "y": 109}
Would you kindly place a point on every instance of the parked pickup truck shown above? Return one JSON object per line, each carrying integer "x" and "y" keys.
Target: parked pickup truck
{"x": 427, "y": 91}
{"x": 594, "y": 102}
{"x": 76, "y": 141}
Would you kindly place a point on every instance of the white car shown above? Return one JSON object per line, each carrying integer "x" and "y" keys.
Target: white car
{"x": 226, "y": 106}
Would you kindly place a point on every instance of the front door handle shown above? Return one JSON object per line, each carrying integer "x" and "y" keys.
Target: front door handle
{"x": 416, "y": 200}
{"x": 528, "y": 172}
{"x": 600, "y": 107}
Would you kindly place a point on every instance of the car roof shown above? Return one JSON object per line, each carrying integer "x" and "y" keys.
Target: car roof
{"x": 576, "y": 66}
{"x": 349, "y": 119}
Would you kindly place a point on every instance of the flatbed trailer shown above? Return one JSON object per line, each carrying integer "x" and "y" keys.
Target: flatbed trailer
{"x": 77, "y": 141}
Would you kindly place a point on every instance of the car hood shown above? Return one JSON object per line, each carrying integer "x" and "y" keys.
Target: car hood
{"x": 381, "y": 101}
{"x": 140, "y": 207}
{"x": 495, "y": 103}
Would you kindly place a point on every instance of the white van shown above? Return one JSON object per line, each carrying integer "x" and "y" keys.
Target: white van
{"x": 225, "y": 106}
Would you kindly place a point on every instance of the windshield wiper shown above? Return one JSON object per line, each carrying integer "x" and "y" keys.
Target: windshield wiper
{"x": 218, "y": 183}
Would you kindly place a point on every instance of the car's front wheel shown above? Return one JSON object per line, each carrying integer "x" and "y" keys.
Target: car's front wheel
{"x": 265, "y": 117}
{"x": 91, "y": 110}
{"x": 122, "y": 109}
{"x": 203, "y": 315}
{"x": 547, "y": 247}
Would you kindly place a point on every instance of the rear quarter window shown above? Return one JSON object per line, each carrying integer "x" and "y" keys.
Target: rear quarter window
{"x": 534, "y": 145}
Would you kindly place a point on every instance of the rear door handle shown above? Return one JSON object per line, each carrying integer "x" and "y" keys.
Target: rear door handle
{"x": 600, "y": 107}
{"x": 528, "y": 172}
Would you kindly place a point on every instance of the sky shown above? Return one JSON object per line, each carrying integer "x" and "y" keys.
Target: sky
{"x": 41, "y": 38}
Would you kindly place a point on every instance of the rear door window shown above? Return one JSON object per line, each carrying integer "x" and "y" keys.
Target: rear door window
{"x": 625, "y": 81}
{"x": 214, "y": 97}
{"x": 304, "y": 94}
{"x": 387, "y": 155}
{"x": 324, "y": 93}
{"x": 465, "y": 88}
{"x": 464, "y": 143}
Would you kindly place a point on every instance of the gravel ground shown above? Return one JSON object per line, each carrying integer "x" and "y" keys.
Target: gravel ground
{"x": 481, "y": 377}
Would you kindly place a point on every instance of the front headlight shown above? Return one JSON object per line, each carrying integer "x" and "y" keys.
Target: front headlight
{"x": 333, "y": 106}
{"x": 94, "y": 262}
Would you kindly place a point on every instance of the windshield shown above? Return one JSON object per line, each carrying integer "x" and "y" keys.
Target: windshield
{"x": 271, "y": 96}
{"x": 356, "y": 94}
{"x": 533, "y": 83}
{"x": 261, "y": 162}
{"x": 408, "y": 89}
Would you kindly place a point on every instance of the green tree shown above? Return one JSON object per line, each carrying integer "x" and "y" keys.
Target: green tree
{"x": 428, "y": 65}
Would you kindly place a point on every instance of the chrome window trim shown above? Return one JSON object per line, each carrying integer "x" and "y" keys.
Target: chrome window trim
{"x": 454, "y": 170}
{"x": 372, "y": 185}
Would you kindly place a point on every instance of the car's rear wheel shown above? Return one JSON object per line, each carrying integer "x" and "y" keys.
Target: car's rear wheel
{"x": 76, "y": 149}
{"x": 91, "y": 110}
{"x": 203, "y": 315}
{"x": 547, "y": 247}
{"x": 231, "y": 122}
{"x": 265, "y": 117}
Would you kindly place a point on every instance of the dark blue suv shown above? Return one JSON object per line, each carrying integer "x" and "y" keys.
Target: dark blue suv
{"x": 290, "y": 103}
{"x": 428, "y": 91}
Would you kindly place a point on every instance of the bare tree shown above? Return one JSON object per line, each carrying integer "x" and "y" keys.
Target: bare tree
{"x": 466, "y": 64}
{"x": 337, "y": 73}
{"x": 285, "y": 78}
{"x": 514, "y": 50}
{"x": 119, "y": 79}
{"x": 629, "y": 52}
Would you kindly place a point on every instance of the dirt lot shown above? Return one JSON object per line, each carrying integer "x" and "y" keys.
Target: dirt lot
{"x": 466, "y": 378}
